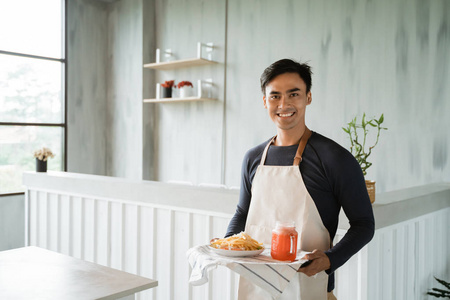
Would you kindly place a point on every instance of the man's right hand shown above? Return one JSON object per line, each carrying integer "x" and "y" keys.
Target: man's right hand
{"x": 319, "y": 262}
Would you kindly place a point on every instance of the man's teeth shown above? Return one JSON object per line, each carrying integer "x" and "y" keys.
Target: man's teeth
{"x": 286, "y": 115}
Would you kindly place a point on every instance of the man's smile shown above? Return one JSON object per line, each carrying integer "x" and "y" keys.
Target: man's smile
{"x": 285, "y": 115}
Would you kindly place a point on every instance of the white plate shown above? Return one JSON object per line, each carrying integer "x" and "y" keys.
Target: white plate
{"x": 236, "y": 253}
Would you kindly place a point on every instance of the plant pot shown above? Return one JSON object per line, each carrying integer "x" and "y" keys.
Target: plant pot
{"x": 185, "y": 92}
{"x": 166, "y": 92}
{"x": 370, "y": 184}
{"x": 41, "y": 166}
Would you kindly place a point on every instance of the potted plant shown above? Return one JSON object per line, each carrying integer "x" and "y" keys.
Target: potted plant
{"x": 185, "y": 88}
{"x": 42, "y": 155}
{"x": 359, "y": 145}
{"x": 167, "y": 88}
{"x": 440, "y": 293}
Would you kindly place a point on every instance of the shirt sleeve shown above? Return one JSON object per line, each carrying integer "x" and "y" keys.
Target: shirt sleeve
{"x": 347, "y": 182}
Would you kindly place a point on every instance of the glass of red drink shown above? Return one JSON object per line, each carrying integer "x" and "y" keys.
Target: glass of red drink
{"x": 284, "y": 241}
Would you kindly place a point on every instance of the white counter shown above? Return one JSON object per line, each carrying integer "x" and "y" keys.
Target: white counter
{"x": 389, "y": 208}
{"x": 146, "y": 227}
{"x": 215, "y": 200}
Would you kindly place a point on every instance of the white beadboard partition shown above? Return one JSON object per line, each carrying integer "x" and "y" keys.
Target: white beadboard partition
{"x": 400, "y": 261}
{"x": 146, "y": 227}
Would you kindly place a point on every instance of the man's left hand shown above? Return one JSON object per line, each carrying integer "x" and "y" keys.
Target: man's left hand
{"x": 320, "y": 262}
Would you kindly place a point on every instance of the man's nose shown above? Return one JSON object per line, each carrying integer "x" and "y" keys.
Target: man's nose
{"x": 283, "y": 101}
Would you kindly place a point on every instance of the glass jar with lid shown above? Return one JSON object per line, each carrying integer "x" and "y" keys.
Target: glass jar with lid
{"x": 284, "y": 241}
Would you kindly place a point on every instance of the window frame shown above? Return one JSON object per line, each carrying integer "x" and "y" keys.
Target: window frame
{"x": 63, "y": 62}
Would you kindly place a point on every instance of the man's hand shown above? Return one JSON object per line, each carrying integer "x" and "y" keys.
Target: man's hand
{"x": 320, "y": 262}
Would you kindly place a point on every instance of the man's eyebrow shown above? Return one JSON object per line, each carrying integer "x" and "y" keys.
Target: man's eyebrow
{"x": 288, "y": 91}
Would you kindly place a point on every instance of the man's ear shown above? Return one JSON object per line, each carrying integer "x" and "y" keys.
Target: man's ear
{"x": 264, "y": 100}
{"x": 308, "y": 98}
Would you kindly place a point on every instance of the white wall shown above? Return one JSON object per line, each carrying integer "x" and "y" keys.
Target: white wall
{"x": 388, "y": 57}
{"x": 190, "y": 134}
{"x": 12, "y": 222}
{"x": 376, "y": 57}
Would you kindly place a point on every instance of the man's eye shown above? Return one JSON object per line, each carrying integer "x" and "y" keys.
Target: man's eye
{"x": 274, "y": 97}
{"x": 294, "y": 95}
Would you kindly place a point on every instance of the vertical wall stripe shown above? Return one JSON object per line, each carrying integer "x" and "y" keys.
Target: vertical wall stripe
{"x": 35, "y": 220}
{"x": 39, "y": 217}
{"x": 155, "y": 238}
{"x": 190, "y": 245}
{"x": 211, "y": 275}
{"x": 393, "y": 264}
{"x": 82, "y": 226}
{"x": 46, "y": 222}
{"x": 108, "y": 226}
{"x": 171, "y": 251}
{"x": 230, "y": 282}
{"x": 121, "y": 238}
{"x": 95, "y": 230}
{"x": 399, "y": 255}
{"x": 138, "y": 240}
{"x": 412, "y": 263}
{"x": 379, "y": 255}
{"x": 71, "y": 226}
{"x": 406, "y": 254}
{"x": 27, "y": 218}
{"x": 138, "y": 261}
{"x": 416, "y": 253}
{"x": 360, "y": 276}
{"x": 58, "y": 223}
{"x": 42, "y": 230}
{"x": 404, "y": 258}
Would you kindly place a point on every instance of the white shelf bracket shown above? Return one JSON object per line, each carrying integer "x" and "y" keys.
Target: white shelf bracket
{"x": 158, "y": 91}
{"x": 209, "y": 47}
{"x": 167, "y": 54}
{"x": 200, "y": 85}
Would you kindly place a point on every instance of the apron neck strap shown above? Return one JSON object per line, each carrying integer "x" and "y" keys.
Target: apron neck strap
{"x": 263, "y": 158}
{"x": 298, "y": 156}
{"x": 301, "y": 147}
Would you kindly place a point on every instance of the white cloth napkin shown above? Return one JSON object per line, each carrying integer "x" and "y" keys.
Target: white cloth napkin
{"x": 269, "y": 274}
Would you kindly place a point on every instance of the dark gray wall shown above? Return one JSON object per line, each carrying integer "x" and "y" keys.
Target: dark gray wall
{"x": 87, "y": 67}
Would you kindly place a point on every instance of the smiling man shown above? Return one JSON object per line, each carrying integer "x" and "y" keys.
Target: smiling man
{"x": 301, "y": 176}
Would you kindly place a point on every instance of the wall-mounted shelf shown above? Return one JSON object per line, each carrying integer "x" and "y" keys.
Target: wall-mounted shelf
{"x": 183, "y": 63}
{"x": 199, "y": 97}
{"x": 167, "y": 100}
{"x": 176, "y": 64}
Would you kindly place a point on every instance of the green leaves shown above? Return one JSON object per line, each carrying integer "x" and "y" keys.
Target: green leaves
{"x": 371, "y": 123}
{"x": 357, "y": 148}
{"x": 440, "y": 293}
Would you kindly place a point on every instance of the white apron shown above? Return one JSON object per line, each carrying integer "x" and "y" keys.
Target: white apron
{"x": 279, "y": 194}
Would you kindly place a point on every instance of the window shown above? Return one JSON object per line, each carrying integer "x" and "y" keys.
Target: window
{"x": 32, "y": 87}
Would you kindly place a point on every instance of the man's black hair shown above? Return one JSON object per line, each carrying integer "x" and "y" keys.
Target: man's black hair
{"x": 286, "y": 66}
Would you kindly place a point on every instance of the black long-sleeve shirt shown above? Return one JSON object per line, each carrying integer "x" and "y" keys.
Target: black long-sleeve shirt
{"x": 333, "y": 178}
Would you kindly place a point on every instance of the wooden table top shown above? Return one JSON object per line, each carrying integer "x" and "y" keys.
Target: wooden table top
{"x": 36, "y": 273}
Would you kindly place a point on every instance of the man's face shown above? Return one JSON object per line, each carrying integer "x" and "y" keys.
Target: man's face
{"x": 285, "y": 100}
